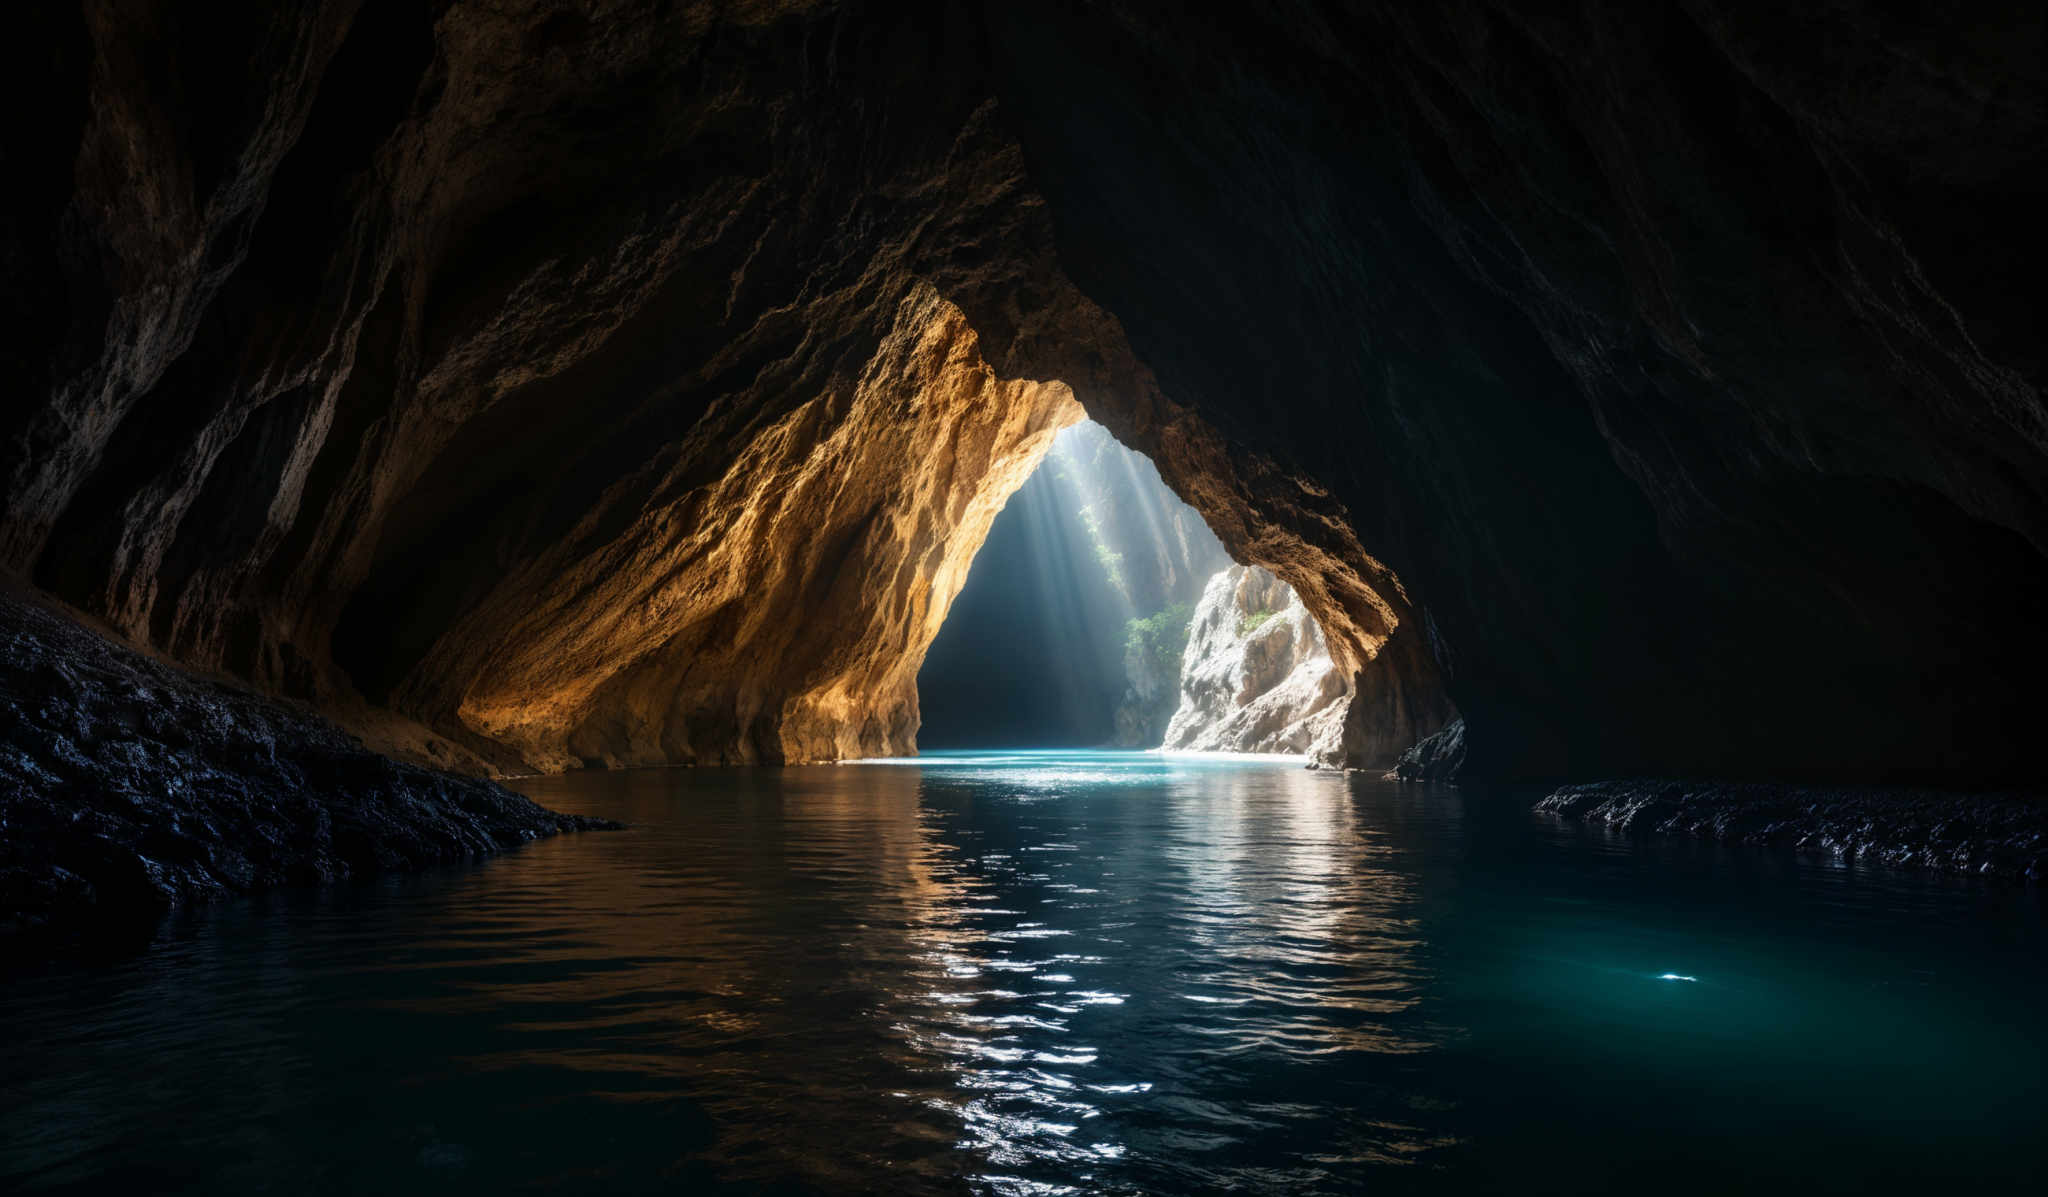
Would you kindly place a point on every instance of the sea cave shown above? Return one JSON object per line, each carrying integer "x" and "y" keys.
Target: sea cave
{"x": 825, "y": 596}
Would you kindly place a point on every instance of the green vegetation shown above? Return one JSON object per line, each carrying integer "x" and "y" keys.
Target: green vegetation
{"x": 1161, "y": 637}
{"x": 1253, "y": 622}
{"x": 1112, "y": 562}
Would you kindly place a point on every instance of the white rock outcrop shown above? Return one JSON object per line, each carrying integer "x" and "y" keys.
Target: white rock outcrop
{"x": 1257, "y": 674}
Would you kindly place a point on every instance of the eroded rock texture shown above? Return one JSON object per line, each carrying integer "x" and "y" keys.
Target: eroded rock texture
{"x": 1992, "y": 835}
{"x": 128, "y": 787}
{"x": 1257, "y": 674}
{"x": 1676, "y": 357}
{"x": 778, "y": 612}
{"x": 585, "y": 383}
{"x": 1660, "y": 383}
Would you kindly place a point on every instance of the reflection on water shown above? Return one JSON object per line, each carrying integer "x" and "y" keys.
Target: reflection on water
{"x": 1049, "y": 973}
{"x": 1095, "y": 997}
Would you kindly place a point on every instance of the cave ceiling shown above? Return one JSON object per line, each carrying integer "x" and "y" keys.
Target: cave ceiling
{"x": 558, "y": 383}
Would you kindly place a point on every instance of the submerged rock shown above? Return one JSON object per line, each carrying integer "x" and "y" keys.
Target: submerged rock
{"x": 1990, "y": 834}
{"x": 1257, "y": 674}
{"x": 128, "y": 787}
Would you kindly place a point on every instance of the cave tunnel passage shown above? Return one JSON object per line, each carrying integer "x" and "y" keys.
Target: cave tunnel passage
{"x": 1074, "y": 626}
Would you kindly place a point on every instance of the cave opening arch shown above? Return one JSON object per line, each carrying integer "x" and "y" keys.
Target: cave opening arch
{"x": 1102, "y": 612}
{"x": 767, "y": 591}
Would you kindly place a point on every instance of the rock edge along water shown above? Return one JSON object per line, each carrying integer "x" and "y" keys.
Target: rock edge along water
{"x": 1993, "y": 835}
{"x": 129, "y": 787}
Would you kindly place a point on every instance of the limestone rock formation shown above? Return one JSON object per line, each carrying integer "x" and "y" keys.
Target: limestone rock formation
{"x": 542, "y": 385}
{"x": 1656, "y": 382}
{"x": 1152, "y": 676}
{"x": 1673, "y": 356}
{"x": 775, "y": 612}
{"x": 1257, "y": 676}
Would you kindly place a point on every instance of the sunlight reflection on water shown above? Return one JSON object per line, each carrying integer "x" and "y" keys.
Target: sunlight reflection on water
{"x": 1285, "y": 941}
{"x": 1183, "y": 976}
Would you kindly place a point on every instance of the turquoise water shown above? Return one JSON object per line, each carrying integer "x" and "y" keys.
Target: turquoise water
{"x": 1053, "y": 972}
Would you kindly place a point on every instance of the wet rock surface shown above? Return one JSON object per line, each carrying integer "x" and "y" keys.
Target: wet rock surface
{"x": 1433, "y": 758}
{"x": 2002, "y": 835}
{"x": 624, "y": 385}
{"x": 128, "y": 787}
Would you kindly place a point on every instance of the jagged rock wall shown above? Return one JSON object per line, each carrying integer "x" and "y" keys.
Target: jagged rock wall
{"x": 1660, "y": 380}
{"x": 581, "y": 382}
{"x": 1675, "y": 356}
{"x": 1151, "y": 691}
{"x": 1439, "y": 757}
{"x": 778, "y": 612}
{"x": 1257, "y": 674}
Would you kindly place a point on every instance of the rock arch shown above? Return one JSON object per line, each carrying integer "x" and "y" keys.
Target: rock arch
{"x": 1621, "y": 373}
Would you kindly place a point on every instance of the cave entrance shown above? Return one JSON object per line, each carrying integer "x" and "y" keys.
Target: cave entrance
{"x": 1101, "y": 611}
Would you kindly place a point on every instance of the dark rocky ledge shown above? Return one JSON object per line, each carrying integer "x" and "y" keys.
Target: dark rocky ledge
{"x": 1437, "y": 757}
{"x": 128, "y": 787}
{"x": 2001, "y": 835}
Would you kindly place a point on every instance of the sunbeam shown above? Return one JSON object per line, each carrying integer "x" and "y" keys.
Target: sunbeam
{"x": 1078, "y": 626}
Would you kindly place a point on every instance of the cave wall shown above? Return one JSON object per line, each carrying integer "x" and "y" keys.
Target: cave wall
{"x": 779, "y": 612}
{"x": 537, "y": 384}
{"x": 1659, "y": 382}
{"x": 436, "y": 339}
{"x": 1681, "y": 359}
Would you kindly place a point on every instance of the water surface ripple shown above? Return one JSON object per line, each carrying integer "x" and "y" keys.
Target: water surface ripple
{"x": 1038, "y": 973}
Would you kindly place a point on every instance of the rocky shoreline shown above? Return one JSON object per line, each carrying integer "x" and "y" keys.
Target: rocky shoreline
{"x": 1991, "y": 834}
{"x": 129, "y": 787}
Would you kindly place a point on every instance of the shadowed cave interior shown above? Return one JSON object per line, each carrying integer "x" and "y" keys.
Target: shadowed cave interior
{"x": 525, "y": 391}
{"x": 1605, "y": 442}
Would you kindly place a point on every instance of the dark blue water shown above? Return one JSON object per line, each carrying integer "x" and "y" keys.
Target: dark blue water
{"x": 1049, "y": 973}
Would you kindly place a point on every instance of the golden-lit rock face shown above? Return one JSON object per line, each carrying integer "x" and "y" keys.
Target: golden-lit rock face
{"x": 538, "y": 378}
{"x": 531, "y": 386}
{"x": 780, "y": 611}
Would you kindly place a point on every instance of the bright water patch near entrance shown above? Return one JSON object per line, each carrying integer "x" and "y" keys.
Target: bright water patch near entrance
{"x": 1052, "y": 972}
